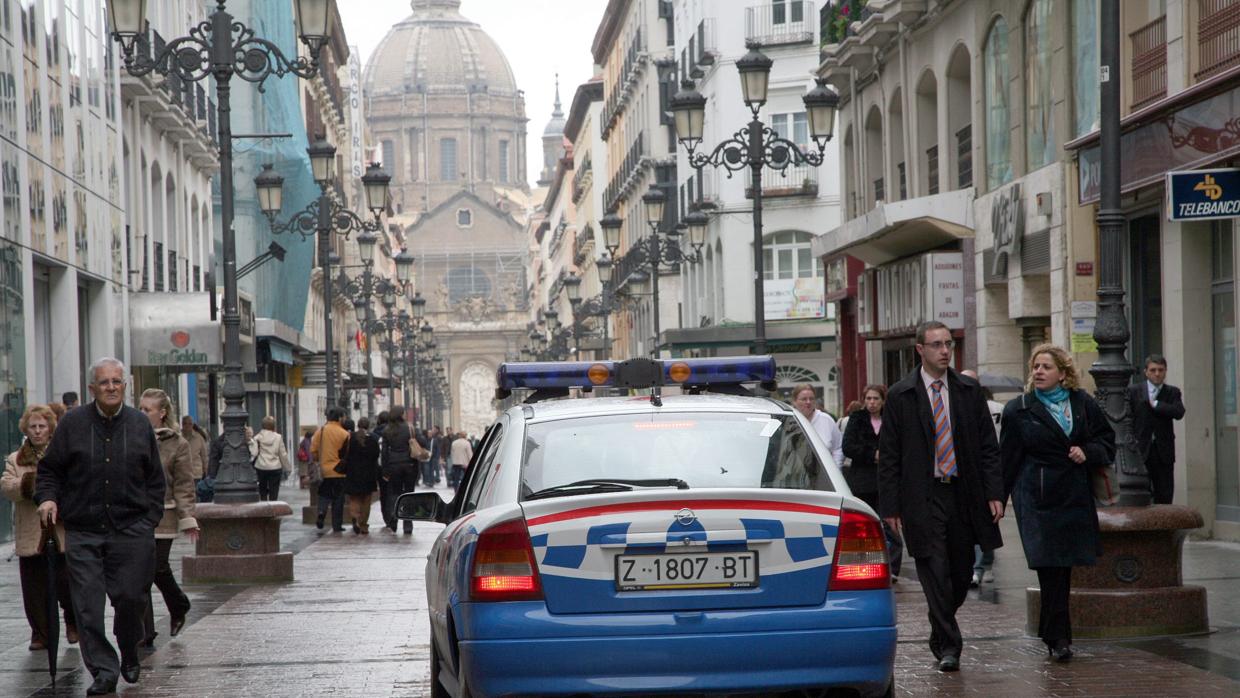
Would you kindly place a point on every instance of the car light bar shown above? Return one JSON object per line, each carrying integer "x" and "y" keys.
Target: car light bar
{"x": 636, "y": 373}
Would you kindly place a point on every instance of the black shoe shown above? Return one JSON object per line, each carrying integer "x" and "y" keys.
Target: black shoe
{"x": 176, "y": 623}
{"x": 102, "y": 687}
{"x": 148, "y": 642}
{"x": 131, "y": 672}
{"x": 318, "y": 522}
{"x": 949, "y": 662}
{"x": 408, "y": 529}
{"x": 1061, "y": 652}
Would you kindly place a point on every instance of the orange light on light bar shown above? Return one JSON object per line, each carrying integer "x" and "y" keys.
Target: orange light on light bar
{"x": 679, "y": 372}
{"x": 598, "y": 374}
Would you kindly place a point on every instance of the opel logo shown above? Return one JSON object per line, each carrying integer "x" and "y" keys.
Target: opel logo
{"x": 685, "y": 517}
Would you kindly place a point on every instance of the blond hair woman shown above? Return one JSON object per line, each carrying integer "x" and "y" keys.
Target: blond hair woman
{"x": 1051, "y": 438}
{"x": 179, "y": 502}
{"x": 17, "y": 483}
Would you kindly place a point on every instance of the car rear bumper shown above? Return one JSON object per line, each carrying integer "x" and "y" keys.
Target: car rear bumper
{"x": 857, "y": 658}
{"x": 520, "y": 649}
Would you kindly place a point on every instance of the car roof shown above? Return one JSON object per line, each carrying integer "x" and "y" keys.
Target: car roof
{"x": 589, "y": 406}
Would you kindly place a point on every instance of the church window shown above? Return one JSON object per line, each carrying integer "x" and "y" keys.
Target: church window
{"x": 503, "y": 161}
{"x": 467, "y": 282}
{"x": 464, "y": 218}
{"x": 389, "y": 155}
{"x": 447, "y": 160}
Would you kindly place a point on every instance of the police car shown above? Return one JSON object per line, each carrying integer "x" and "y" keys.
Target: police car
{"x": 700, "y": 542}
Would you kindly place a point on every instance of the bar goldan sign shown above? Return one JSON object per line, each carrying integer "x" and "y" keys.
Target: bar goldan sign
{"x": 1199, "y": 195}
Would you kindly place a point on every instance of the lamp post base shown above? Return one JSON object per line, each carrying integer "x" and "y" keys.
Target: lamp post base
{"x": 239, "y": 544}
{"x": 1136, "y": 588}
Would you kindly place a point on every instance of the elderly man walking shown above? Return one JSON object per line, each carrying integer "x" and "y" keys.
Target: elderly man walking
{"x": 102, "y": 476}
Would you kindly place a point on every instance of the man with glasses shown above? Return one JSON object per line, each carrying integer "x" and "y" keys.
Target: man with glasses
{"x": 102, "y": 477}
{"x": 940, "y": 481}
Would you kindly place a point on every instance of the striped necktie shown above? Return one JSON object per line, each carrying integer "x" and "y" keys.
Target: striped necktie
{"x": 944, "y": 448}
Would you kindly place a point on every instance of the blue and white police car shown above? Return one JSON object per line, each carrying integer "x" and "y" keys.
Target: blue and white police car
{"x": 702, "y": 542}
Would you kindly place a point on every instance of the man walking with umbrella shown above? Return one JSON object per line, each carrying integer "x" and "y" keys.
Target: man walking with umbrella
{"x": 101, "y": 476}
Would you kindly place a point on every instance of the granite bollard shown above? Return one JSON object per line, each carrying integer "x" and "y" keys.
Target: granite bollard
{"x": 239, "y": 544}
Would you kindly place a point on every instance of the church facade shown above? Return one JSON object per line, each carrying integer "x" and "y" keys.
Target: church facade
{"x": 444, "y": 108}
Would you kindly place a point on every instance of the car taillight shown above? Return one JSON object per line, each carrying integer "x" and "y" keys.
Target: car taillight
{"x": 504, "y": 568}
{"x": 860, "y": 554}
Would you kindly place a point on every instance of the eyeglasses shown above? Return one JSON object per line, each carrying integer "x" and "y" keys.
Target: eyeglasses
{"x": 949, "y": 344}
{"x": 114, "y": 383}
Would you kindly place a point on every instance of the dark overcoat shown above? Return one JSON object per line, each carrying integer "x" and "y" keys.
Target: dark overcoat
{"x": 362, "y": 464}
{"x": 860, "y": 443}
{"x": 906, "y": 459}
{"x": 1052, "y": 496}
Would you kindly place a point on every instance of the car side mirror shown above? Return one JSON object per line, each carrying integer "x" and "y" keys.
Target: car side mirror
{"x": 422, "y": 506}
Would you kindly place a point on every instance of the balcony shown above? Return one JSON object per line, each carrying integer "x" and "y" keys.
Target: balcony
{"x": 1218, "y": 37}
{"x": 622, "y": 181}
{"x": 780, "y": 23}
{"x": 707, "y": 51}
{"x": 1149, "y": 63}
{"x": 794, "y": 180}
{"x": 635, "y": 58}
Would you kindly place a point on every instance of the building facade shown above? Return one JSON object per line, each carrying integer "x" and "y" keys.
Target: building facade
{"x": 800, "y": 202}
{"x": 633, "y": 46}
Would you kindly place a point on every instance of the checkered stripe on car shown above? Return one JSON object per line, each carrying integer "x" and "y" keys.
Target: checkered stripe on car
{"x": 586, "y": 550}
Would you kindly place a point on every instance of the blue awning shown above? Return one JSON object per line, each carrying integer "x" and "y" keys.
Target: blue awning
{"x": 280, "y": 352}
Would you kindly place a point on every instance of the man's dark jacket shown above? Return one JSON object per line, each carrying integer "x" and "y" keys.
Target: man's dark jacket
{"x": 906, "y": 459}
{"x": 1152, "y": 425}
{"x": 103, "y": 473}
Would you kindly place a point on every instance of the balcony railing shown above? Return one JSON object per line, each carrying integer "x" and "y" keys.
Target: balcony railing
{"x": 1149, "y": 63}
{"x": 632, "y": 160}
{"x": 707, "y": 45}
{"x": 1218, "y": 36}
{"x": 794, "y": 180}
{"x": 780, "y": 22}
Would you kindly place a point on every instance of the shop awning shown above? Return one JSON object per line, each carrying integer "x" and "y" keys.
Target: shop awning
{"x": 893, "y": 230}
{"x": 788, "y": 335}
{"x": 280, "y": 352}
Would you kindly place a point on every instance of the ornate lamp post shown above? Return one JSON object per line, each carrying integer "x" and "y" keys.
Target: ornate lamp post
{"x": 369, "y": 286}
{"x": 756, "y": 146}
{"x": 325, "y": 216}
{"x": 222, "y": 47}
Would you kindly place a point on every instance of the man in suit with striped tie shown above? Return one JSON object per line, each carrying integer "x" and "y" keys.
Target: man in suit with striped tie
{"x": 940, "y": 482}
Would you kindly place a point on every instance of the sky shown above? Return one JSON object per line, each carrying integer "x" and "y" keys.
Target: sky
{"x": 539, "y": 37}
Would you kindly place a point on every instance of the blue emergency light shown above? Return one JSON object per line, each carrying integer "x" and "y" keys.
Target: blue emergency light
{"x": 636, "y": 373}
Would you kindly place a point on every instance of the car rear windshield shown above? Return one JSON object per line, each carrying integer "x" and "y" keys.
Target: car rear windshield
{"x": 701, "y": 449}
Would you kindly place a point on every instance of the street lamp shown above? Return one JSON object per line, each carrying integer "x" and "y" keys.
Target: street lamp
{"x": 753, "y": 147}
{"x": 322, "y": 217}
{"x": 220, "y": 48}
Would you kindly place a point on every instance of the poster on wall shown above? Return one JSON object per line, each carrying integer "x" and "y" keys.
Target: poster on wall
{"x": 945, "y": 279}
{"x": 794, "y": 299}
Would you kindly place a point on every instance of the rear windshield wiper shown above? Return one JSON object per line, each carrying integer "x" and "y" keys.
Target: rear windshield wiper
{"x": 605, "y": 485}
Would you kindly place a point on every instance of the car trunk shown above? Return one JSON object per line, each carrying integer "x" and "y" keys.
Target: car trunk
{"x": 678, "y": 550}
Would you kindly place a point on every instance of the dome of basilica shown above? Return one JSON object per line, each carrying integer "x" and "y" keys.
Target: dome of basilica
{"x": 437, "y": 50}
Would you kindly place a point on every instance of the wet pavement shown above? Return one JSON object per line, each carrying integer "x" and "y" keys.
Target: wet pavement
{"x": 354, "y": 624}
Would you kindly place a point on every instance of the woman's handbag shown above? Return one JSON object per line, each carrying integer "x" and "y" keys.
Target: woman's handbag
{"x": 417, "y": 451}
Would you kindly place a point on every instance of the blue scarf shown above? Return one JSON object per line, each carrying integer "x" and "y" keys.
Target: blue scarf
{"x": 1057, "y": 404}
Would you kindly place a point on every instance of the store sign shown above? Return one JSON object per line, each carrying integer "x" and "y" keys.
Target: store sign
{"x": 174, "y": 330}
{"x": 794, "y": 299}
{"x": 1200, "y": 195}
{"x": 355, "y": 118}
{"x": 1007, "y": 222}
{"x": 917, "y": 289}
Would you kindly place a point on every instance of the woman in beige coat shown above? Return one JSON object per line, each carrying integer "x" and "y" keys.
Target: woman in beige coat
{"x": 37, "y": 424}
{"x": 179, "y": 498}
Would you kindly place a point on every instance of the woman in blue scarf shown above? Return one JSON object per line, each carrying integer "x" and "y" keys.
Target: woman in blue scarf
{"x": 1052, "y": 438}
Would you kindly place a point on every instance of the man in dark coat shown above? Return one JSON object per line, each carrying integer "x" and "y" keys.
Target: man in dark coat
{"x": 1155, "y": 405}
{"x": 940, "y": 481}
{"x": 101, "y": 476}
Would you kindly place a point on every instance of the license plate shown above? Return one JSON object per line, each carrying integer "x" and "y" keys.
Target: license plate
{"x": 687, "y": 571}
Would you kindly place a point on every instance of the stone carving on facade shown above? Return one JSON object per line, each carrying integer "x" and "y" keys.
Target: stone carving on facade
{"x": 475, "y": 310}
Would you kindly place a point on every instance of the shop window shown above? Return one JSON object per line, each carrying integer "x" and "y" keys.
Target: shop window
{"x": 1039, "y": 121}
{"x": 998, "y": 113}
{"x": 1085, "y": 93}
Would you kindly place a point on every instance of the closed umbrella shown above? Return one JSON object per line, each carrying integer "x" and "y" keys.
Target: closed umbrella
{"x": 50, "y": 552}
